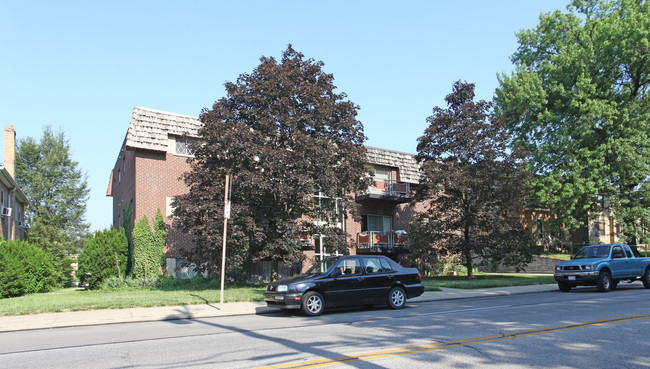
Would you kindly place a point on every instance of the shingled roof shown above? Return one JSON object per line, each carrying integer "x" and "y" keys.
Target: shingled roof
{"x": 409, "y": 170}
{"x": 149, "y": 129}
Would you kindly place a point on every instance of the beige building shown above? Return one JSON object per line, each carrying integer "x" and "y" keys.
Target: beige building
{"x": 12, "y": 199}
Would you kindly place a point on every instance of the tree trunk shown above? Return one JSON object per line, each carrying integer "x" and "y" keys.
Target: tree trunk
{"x": 469, "y": 263}
{"x": 274, "y": 270}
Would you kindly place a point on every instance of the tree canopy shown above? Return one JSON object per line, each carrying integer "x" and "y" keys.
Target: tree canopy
{"x": 57, "y": 191}
{"x": 284, "y": 134}
{"x": 578, "y": 101}
{"x": 472, "y": 184}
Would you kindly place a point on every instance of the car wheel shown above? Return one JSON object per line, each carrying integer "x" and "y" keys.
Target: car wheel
{"x": 313, "y": 303}
{"x": 396, "y": 298}
{"x": 604, "y": 282}
{"x": 646, "y": 278}
{"x": 564, "y": 287}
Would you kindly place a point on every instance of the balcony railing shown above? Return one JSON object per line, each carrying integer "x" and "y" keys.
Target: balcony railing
{"x": 382, "y": 242}
{"x": 387, "y": 190}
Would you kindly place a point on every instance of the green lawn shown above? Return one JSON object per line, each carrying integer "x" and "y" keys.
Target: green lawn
{"x": 75, "y": 299}
{"x": 486, "y": 281}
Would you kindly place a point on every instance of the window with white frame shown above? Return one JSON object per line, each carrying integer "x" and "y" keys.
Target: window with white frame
{"x": 183, "y": 146}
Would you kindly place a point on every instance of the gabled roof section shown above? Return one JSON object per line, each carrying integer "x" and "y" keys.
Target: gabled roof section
{"x": 409, "y": 169}
{"x": 149, "y": 129}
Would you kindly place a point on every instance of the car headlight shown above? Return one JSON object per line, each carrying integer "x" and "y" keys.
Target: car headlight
{"x": 589, "y": 267}
{"x": 557, "y": 267}
{"x": 282, "y": 288}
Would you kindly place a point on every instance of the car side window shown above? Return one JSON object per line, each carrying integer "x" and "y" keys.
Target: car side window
{"x": 350, "y": 266}
{"x": 628, "y": 253}
{"x": 385, "y": 266}
{"x": 372, "y": 265}
{"x": 617, "y": 252}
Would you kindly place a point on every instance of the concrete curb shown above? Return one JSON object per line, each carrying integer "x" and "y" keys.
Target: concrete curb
{"x": 133, "y": 315}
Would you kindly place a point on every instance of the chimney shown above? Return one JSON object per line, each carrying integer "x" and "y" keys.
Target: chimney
{"x": 10, "y": 150}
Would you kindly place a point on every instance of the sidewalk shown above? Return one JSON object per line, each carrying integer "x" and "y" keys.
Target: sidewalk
{"x": 94, "y": 317}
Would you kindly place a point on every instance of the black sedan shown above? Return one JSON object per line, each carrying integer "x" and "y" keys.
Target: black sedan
{"x": 346, "y": 281}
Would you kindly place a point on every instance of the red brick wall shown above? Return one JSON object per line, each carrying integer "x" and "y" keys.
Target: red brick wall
{"x": 122, "y": 190}
{"x": 147, "y": 179}
{"x": 159, "y": 175}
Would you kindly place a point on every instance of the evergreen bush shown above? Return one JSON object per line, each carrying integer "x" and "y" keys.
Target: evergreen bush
{"x": 24, "y": 269}
{"x": 104, "y": 255}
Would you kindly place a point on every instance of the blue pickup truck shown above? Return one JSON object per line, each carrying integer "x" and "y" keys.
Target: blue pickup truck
{"x": 603, "y": 266}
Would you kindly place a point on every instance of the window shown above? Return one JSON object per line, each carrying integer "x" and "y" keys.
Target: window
{"x": 628, "y": 253}
{"x": 617, "y": 252}
{"x": 183, "y": 146}
{"x": 328, "y": 210}
{"x": 372, "y": 265}
{"x": 350, "y": 266}
{"x": 385, "y": 266}
{"x": 379, "y": 223}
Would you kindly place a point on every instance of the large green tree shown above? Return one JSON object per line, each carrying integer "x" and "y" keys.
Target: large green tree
{"x": 472, "y": 185}
{"x": 578, "y": 101}
{"x": 284, "y": 134}
{"x": 57, "y": 191}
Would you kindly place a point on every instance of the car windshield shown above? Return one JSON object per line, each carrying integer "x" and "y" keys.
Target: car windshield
{"x": 322, "y": 266}
{"x": 592, "y": 252}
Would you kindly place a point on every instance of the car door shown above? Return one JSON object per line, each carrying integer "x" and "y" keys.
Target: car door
{"x": 346, "y": 288}
{"x": 620, "y": 263}
{"x": 379, "y": 278}
{"x": 635, "y": 268}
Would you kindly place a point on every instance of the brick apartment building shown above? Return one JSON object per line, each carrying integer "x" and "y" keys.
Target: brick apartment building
{"x": 153, "y": 157}
{"x": 12, "y": 199}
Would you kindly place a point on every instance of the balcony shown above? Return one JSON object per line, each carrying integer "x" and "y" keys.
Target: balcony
{"x": 387, "y": 190}
{"x": 382, "y": 242}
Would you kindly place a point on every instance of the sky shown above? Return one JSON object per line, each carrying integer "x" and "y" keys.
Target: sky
{"x": 81, "y": 67}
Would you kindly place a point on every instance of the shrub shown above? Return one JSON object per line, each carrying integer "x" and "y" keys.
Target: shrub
{"x": 24, "y": 269}
{"x": 130, "y": 282}
{"x": 104, "y": 255}
{"x": 148, "y": 248}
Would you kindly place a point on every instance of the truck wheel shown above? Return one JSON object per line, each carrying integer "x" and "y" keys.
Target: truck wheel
{"x": 646, "y": 278}
{"x": 396, "y": 298}
{"x": 564, "y": 287}
{"x": 604, "y": 282}
{"x": 614, "y": 284}
{"x": 313, "y": 303}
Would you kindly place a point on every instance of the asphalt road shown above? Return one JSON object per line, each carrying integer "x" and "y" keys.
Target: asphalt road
{"x": 580, "y": 329}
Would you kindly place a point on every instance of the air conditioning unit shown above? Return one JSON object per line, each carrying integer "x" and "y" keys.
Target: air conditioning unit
{"x": 6, "y": 212}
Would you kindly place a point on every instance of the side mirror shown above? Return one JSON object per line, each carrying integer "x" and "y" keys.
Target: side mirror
{"x": 336, "y": 272}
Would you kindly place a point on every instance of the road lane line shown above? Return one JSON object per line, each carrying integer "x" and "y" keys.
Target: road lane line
{"x": 451, "y": 344}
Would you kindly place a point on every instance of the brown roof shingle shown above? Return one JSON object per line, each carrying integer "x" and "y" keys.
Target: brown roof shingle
{"x": 150, "y": 129}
